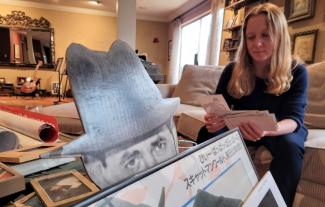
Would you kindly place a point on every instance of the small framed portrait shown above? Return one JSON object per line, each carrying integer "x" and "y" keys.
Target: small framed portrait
{"x": 227, "y": 44}
{"x": 2, "y": 80}
{"x": 304, "y": 45}
{"x": 11, "y": 181}
{"x": 299, "y": 9}
{"x": 64, "y": 188}
{"x": 21, "y": 80}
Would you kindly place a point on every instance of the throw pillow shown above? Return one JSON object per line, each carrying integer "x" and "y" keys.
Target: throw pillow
{"x": 196, "y": 83}
{"x": 315, "y": 111}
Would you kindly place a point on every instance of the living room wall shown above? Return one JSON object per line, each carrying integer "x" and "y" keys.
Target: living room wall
{"x": 94, "y": 31}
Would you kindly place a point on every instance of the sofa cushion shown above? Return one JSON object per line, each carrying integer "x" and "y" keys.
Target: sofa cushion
{"x": 197, "y": 82}
{"x": 315, "y": 110}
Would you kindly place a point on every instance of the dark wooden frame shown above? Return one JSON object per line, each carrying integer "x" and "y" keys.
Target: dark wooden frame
{"x": 311, "y": 48}
{"x": 293, "y": 15}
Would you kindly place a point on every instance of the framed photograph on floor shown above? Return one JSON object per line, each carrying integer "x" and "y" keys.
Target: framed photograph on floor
{"x": 304, "y": 45}
{"x": 299, "y": 9}
{"x": 11, "y": 181}
{"x": 64, "y": 188}
{"x": 28, "y": 200}
{"x": 266, "y": 193}
{"x": 212, "y": 169}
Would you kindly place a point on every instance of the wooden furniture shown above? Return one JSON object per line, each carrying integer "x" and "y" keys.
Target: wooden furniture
{"x": 235, "y": 12}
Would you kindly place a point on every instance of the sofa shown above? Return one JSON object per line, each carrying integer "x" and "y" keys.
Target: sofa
{"x": 199, "y": 81}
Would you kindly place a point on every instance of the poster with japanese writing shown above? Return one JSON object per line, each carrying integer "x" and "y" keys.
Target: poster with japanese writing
{"x": 218, "y": 171}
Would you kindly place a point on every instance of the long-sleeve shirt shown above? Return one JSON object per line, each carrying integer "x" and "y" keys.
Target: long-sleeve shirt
{"x": 289, "y": 105}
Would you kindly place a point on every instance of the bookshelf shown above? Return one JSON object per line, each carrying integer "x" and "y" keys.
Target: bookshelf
{"x": 235, "y": 11}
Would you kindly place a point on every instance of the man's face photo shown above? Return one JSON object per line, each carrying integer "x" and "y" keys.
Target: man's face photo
{"x": 156, "y": 148}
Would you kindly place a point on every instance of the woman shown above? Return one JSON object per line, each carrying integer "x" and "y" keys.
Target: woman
{"x": 265, "y": 77}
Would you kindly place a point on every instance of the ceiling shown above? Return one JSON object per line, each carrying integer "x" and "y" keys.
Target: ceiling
{"x": 157, "y": 10}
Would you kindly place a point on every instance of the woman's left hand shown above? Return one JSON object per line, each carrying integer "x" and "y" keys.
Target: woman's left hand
{"x": 251, "y": 131}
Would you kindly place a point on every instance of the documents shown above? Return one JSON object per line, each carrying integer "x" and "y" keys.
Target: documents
{"x": 216, "y": 104}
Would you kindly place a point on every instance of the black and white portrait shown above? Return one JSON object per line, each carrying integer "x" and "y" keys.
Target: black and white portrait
{"x": 128, "y": 126}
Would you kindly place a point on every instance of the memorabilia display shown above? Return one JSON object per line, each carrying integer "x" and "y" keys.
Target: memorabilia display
{"x": 265, "y": 194}
{"x": 215, "y": 167}
{"x": 28, "y": 153}
{"x": 64, "y": 188}
{"x": 141, "y": 131}
{"x": 10, "y": 181}
{"x": 35, "y": 125}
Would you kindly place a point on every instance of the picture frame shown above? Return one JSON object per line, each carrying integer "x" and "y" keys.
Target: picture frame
{"x": 21, "y": 81}
{"x": 28, "y": 200}
{"x": 28, "y": 153}
{"x": 221, "y": 161}
{"x": 227, "y": 43}
{"x": 63, "y": 188}
{"x": 266, "y": 193}
{"x": 304, "y": 45}
{"x": 58, "y": 64}
{"x": 11, "y": 181}
{"x": 299, "y": 9}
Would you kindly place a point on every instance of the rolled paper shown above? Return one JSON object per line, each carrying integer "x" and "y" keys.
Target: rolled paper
{"x": 38, "y": 126}
{"x": 8, "y": 140}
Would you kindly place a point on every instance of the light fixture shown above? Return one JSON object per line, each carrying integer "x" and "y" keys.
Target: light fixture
{"x": 95, "y": 2}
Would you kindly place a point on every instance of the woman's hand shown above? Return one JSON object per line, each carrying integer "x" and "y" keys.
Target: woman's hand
{"x": 251, "y": 131}
{"x": 213, "y": 122}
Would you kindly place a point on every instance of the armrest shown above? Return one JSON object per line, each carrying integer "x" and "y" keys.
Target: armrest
{"x": 166, "y": 90}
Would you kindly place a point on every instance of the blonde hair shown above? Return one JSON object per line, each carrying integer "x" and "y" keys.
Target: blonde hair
{"x": 279, "y": 75}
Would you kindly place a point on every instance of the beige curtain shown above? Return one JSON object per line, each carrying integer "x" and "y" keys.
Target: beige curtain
{"x": 214, "y": 41}
{"x": 174, "y": 70}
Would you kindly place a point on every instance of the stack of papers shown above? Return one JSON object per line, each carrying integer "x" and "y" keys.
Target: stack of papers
{"x": 216, "y": 104}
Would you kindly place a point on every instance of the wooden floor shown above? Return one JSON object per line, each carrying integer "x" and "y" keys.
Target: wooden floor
{"x": 26, "y": 102}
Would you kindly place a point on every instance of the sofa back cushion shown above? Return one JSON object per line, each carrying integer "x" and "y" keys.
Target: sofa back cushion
{"x": 315, "y": 110}
{"x": 196, "y": 83}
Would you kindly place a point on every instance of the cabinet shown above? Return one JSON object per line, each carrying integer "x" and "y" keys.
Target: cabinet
{"x": 235, "y": 11}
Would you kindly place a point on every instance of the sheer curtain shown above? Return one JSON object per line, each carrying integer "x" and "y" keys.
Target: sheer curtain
{"x": 174, "y": 70}
{"x": 213, "y": 50}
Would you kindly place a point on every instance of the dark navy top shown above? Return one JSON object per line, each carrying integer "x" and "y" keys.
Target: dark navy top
{"x": 290, "y": 104}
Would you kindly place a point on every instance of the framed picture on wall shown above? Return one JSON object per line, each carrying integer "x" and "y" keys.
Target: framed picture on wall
{"x": 299, "y": 9}
{"x": 304, "y": 45}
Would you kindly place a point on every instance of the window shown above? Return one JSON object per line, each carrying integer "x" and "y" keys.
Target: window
{"x": 194, "y": 41}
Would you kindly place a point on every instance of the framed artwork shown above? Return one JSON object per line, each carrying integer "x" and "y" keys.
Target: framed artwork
{"x": 11, "y": 181}
{"x": 299, "y": 9}
{"x": 227, "y": 43}
{"x": 2, "y": 80}
{"x": 58, "y": 64}
{"x": 304, "y": 45}
{"x": 28, "y": 153}
{"x": 266, "y": 193}
{"x": 189, "y": 177}
{"x": 21, "y": 80}
{"x": 63, "y": 189}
